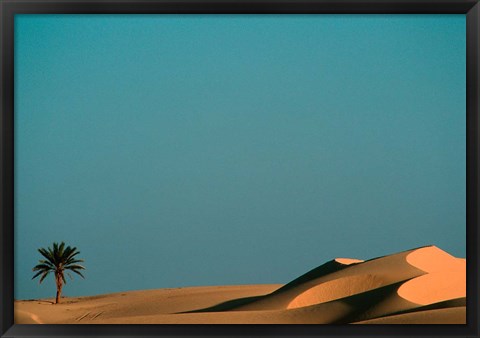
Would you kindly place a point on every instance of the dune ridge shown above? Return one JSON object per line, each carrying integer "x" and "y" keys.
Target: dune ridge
{"x": 425, "y": 285}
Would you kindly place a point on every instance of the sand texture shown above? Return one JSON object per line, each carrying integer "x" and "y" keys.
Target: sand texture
{"x": 419, "y": 286}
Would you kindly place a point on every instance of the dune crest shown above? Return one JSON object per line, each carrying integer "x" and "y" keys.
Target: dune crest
{"x": 432, "y": 259}
{"x": 348, "y": 261}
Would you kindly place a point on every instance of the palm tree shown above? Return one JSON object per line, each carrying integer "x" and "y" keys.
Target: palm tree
{"x": 58, "y": 259}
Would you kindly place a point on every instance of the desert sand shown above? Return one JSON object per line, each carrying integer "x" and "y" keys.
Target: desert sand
{"x": 420, "y": 286}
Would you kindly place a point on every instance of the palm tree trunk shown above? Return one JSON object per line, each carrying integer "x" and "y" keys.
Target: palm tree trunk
{"x": 57, "y": 299}
{"x": 59, "y": 289}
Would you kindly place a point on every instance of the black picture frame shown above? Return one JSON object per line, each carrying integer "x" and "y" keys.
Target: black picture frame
{"x": 471, "y": 8}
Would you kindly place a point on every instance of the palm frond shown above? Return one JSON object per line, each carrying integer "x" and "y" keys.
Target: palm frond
{"x": 38, "y": 274}
{"x": 63, "y": 278}
{"x": 43, "y": 267}
{"x": 70, "y": 252}
{"x": 75, "y": 266}
{"x": 60, "y": 249}
{"x": 78, "y": 273}
{"x": 73, "y": 263}
{"x": 56, "y": 253}
{"x": 45, "y": 274}
{"x": 47, "y": 255}
{"x": 73, "y": 260}
{"x": 52, "y": 254}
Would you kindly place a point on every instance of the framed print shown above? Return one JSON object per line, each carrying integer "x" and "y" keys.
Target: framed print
{"x": 228, "y": 168}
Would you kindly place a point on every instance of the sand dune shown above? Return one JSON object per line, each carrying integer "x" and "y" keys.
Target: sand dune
{"x": 454, "y": 315}
{"x": 420, "y": 286}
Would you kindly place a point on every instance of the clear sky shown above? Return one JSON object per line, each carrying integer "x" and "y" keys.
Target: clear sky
{"x": 209, "y": 150}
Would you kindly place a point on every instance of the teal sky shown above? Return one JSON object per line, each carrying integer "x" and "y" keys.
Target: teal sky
{"x": 208, "y": 150}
